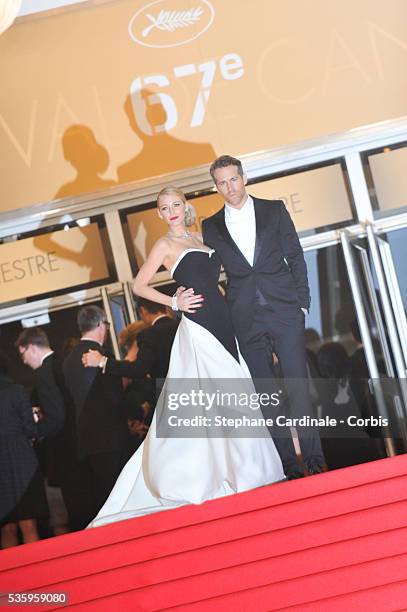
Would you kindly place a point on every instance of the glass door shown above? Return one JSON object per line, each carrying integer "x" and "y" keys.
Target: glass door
{"x": 337, "y": 362}
{"x": 392, "y": 249}
{"x": 378, "y": 333}
{"x": 351, "y": 319}
{"x": 120, "y": 311}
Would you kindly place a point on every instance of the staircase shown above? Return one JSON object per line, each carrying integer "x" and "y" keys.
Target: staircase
{"x": 329, "y": 543}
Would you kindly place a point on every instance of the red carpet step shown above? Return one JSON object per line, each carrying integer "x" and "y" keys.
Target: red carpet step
{"x": 329, "y": 543}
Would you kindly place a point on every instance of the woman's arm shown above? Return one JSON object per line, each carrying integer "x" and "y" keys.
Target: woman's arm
{"x": 186, "y": 301}
{"x": 156, "y": 258}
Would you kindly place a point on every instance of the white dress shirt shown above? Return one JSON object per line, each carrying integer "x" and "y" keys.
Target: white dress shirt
{"x": 241, "y": 224}
{"x": 161, "y": 316}
{"x": 45, "y": 356}
{"x": 91, "y": 340}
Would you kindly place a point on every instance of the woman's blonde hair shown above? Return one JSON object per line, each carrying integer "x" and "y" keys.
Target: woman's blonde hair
{"x": 190, "y": 214}
{"x": 129, "y": 334}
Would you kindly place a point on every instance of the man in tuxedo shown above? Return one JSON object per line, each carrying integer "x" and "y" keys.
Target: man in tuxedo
{"x": 50, "y": 396}
{"x": 154, "y": 346}
{"x": 100, "y": 425}
{"x": 35, "y": 351}
{"x": 268, "y": 295}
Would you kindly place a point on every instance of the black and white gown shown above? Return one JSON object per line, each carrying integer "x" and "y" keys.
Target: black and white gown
{"x": 166, "y": 472}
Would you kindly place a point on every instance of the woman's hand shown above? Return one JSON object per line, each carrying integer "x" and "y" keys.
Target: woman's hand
{"x": 92, "y": 358}
{"x": 187, "y": 301}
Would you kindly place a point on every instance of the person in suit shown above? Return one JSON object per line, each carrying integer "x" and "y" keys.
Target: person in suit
{"x": 101, "y": 429}
{"x": 22, "y": 493}
{"x": 51, "y": 394}
{"x": 268, "y": 296}
{"x": 345, "y": 445}
{"x": 154, "y": 346}
{"x": 36, "y": 353}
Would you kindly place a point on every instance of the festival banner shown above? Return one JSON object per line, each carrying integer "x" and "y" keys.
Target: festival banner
{"x": 99, "y": 95}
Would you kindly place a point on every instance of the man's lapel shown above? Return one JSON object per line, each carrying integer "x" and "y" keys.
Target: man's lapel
{"x": 221, "y": 225}
{"x": 260, "y": 213}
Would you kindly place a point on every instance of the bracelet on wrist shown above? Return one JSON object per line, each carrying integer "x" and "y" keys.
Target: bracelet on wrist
{"x": 174, "y": 303}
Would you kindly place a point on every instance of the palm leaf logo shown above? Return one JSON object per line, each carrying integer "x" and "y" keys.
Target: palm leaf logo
{"x": 171, "y": 20}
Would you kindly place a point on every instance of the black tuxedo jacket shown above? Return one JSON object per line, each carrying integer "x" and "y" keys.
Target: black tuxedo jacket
{"x": 101, "y": 425}
{"x": 47, "y": 392}
{"x": 278, "y": 276}
{"x": 153, "y": 358}
{"x": 53, "y": 396}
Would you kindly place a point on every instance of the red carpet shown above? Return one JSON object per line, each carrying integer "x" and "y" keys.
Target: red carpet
{"x": 332, "y": 542}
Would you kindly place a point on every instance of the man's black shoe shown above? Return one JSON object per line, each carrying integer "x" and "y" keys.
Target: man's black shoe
{"x": 314, "y": 469}
{"x": 294, "y": 475}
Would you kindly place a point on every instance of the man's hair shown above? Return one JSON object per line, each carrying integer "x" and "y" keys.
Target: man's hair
{"x": 223, "y": 162}
{"x": 69, "y": 344}
{"x": 89, "y": 317}
{"x": 333, "y": 361}
{"x": 151, "y": 307}
{"x": 32, "y": 335}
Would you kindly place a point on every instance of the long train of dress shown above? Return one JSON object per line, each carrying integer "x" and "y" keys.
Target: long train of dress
{"x": 166, "y": 472}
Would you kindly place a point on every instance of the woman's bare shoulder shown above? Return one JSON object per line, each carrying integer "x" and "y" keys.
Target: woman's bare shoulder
{"x": 197, "y": 235}
{"x": 163, "y": 245}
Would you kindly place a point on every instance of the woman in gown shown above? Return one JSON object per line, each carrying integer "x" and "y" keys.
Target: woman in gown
{"x": 166, "y": 472}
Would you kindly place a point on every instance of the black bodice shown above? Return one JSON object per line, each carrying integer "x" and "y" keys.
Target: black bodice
{"x": 200, "y": 270}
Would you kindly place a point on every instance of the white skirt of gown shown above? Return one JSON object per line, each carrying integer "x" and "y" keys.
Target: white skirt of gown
{"x": 168, "y": 472}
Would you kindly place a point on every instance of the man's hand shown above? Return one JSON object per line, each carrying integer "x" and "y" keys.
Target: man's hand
{"x": 137, "y": 428}
{"x": 37, "y": 414}
{"x": 92, "y": 358}
{"x": 182, "y": 290}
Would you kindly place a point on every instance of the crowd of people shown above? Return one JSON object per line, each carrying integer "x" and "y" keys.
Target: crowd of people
{"x": 77, "y": 427}
{"x": 45, "y": 441}
{"x": 98, "y": 414}
{"x": 340, "y": 389}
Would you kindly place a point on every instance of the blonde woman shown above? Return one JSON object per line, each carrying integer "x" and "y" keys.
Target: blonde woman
{"x": 180, "y": 465}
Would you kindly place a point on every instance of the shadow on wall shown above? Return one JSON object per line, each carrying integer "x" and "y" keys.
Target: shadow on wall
{"x": 160, "y": 152}
{"x": 89, "y": 158}
{"x": 85, "y": 251}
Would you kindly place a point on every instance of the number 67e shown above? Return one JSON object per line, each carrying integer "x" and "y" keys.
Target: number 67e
{"x": 230, "y": 66}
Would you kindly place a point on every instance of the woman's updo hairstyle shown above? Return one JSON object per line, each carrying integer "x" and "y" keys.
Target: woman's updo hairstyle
{"x": 190, "y": 214}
